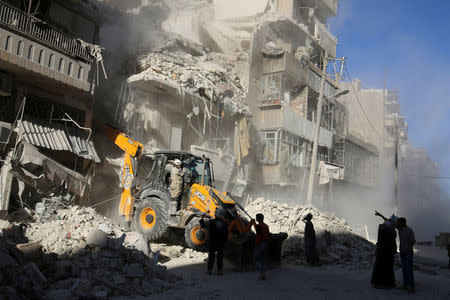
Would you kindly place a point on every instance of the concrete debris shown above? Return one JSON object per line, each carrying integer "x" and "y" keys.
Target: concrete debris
{"x": 31, "y": 250}
{"x": 97, "y": 238}
{"x": 79, "y": 253}
{"x": 4, "y": 225}
{"x": 138, "y": 241}
{"x": 337, "y": 243}
{"x": 192, "y": 69}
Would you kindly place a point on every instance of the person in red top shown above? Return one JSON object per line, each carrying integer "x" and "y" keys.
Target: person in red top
{"x": 261, "y": 244}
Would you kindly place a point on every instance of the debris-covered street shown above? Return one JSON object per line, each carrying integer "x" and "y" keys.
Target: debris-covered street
{"x": 173, "y": 149}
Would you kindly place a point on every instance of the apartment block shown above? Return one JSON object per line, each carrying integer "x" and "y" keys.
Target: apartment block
{"x": 48, "y": 74}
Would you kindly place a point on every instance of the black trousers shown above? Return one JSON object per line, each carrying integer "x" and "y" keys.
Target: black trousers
{"x": 212, "y": 255}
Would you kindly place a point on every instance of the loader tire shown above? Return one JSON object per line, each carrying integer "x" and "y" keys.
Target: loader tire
{"x": 152, "y": 218}
{"x": 196, "y": 236}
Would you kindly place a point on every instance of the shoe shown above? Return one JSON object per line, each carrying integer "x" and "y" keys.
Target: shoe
{"x": 208, "y": 272}
{"x": 411, "y": 291}
{"x": 220, "y": 273}
{"x": 262, "y": 277}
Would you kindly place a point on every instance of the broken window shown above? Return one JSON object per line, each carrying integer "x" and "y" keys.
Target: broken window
{"x": 296, "y": 148}
{"x": 280, "y": 145}
{"x": 271, "y": 90}
{"x": 269, "y": 150}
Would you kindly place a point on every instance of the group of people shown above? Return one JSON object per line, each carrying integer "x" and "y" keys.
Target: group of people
{"x": 218, "y": 236}
{"x": 383, "y": 275}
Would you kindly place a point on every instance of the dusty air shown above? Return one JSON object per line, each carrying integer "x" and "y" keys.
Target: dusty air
{"x": 223, "y": 149}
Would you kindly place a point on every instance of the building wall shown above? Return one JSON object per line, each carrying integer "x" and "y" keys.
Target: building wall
{"x": 372, "y": 102}
{"x": 227, "y": 8}
{"x": 285, "y": 8}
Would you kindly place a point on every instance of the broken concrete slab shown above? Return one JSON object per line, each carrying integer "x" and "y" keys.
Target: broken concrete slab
{"x": 97, "y": 238}
{"x": 5, "y": 225}
{"x": 31, "y": 251}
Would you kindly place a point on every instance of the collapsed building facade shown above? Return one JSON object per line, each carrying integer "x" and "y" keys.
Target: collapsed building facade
{"x": 48, "y": 76}
{"x": 287, "y": 56}
{"x": 250, "y": 96}
{"x": 243, "y": 90}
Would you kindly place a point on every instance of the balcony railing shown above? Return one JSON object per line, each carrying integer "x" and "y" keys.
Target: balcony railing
{"x": 269, "y": 103}
{"x": 288, "y": 63}
{"x": 29, "y": 26}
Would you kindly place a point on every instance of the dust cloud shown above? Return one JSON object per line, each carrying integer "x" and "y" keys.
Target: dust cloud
{"x": 141, "y": 27}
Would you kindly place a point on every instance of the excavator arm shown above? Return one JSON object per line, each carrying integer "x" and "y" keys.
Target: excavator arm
{"x": 133, "y": 150}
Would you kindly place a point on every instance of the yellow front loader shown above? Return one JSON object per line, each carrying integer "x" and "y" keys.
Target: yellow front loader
{"x": 145, "y": 200}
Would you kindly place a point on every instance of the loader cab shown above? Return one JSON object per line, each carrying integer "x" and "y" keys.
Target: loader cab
{"x": 154, "y": 170}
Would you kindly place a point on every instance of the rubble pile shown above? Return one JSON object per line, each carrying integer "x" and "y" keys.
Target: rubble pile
{"x": 336, "y": 242}
{"x": 78, "y": 254}
{"x": 194, "y": 70}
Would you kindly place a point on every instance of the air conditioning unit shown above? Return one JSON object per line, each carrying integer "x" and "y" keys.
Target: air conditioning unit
{"x": 6, "y": 84}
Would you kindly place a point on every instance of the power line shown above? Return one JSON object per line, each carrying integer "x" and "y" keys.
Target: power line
{"x": 359, "y": 102}
{"x": 425, "y": 176}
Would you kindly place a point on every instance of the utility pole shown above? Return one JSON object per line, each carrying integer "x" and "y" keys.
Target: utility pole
{"x": 318, "y": 120}
{"x": 396, "y": 165}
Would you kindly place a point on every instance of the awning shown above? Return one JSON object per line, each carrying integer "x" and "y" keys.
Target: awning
{"x": 56, "y": 136}
{"x": 46, "y": 175}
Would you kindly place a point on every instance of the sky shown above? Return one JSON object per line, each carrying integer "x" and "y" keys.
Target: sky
{"x": 409, "y": 41}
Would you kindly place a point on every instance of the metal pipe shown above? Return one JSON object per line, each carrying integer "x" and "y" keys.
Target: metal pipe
{"x": 203, "y": 170}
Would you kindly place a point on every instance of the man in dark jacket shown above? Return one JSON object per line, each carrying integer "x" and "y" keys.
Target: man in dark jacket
{"x": 407, "y": 241}
{"x": 448, "y": 253}
{"x": 217, "y": 238}
{"x": 311, "y": 253}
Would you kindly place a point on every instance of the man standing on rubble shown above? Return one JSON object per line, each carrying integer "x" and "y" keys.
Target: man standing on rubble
{"x": 312, "y": 255}
{"x": 176, "y": 186}
{"x": 217, "y": 238}
{"x": 407, "y": 241}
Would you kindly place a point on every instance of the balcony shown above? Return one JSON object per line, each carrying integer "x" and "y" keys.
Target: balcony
{"x": 325, "y": 38}
{"x": 35, "y": 29}
{"x": 287, "y": 63}
{"x": 304, "y": 128}
{"x": 34, "y": 53}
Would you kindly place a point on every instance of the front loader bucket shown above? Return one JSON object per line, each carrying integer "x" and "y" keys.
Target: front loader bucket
{"x": 239, "y": 251}
{"x": 275, "y": 243}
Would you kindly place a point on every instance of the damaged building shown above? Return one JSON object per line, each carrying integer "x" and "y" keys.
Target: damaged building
{"x": 287, "y": 56}
{"x": 245, "y": 88}
{"x": 48, "y": 73}
{"x": 188, "y": 98}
